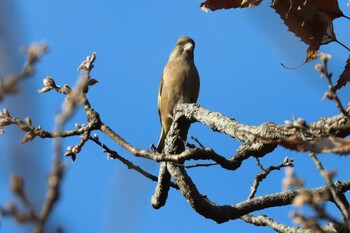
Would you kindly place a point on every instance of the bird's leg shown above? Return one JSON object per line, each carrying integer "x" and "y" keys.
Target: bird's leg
{"x": 153, "y": 148}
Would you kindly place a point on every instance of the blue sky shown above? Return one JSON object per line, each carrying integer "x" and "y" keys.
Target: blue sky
{"x": 238, "y": 55}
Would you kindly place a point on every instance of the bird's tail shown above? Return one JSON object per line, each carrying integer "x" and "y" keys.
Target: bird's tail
{"x": 161, "y": 142}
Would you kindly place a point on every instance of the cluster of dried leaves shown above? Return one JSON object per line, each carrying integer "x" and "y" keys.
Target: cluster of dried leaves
{"x": 310, "y": 20}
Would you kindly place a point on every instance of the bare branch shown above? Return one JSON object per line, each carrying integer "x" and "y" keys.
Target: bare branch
{"x": 74, "y": 97}
{"x": 323, "y": 69}
{"x": 257, "y": 142}
{"x": 202, "y": 205}
{"x": 248, "y": 134}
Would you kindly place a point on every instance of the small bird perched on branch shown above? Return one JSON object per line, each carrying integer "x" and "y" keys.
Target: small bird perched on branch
{"x": 179, "y": 84}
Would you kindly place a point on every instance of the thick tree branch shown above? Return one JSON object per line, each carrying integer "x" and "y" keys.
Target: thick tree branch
{"x": 248, "y": 134}
{"x": 220, "y": 214}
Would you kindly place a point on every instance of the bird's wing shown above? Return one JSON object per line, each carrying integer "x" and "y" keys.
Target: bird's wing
{"x": 160, "y": 98}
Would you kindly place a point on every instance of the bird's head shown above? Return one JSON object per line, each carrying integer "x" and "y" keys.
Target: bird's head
{"x": 184, "y": 48}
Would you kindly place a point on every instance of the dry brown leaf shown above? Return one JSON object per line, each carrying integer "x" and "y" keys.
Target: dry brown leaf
{"x": 228, "y": 4}
{"x": 310, "y": 20}
{"x": 344, "y": 78}
{"x": 331, "y": 7}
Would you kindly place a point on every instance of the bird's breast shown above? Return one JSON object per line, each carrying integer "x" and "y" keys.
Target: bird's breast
{"x": 182, "y": 80}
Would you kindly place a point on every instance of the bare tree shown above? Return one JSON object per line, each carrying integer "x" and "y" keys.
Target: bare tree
{"x": 322, "y": 136}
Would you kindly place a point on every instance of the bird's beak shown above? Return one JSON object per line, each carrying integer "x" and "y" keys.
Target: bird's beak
{"x": 188, "y": 47}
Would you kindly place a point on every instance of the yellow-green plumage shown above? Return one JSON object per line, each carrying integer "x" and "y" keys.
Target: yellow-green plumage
{"x": 179, "y": 84}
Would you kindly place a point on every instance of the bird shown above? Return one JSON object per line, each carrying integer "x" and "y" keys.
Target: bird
{"x": 179, "y": 84}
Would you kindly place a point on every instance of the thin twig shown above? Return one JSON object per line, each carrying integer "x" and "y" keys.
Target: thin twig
{"x": 323, "y": 69}
{"x": 263, "y": 220}
{"x": 201, "y": 165}
{"x": 328, "y": 178}
{"x": 74, "y": 97}
{"x": 114, "y": 155}
{"x": 265, "y": 172}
